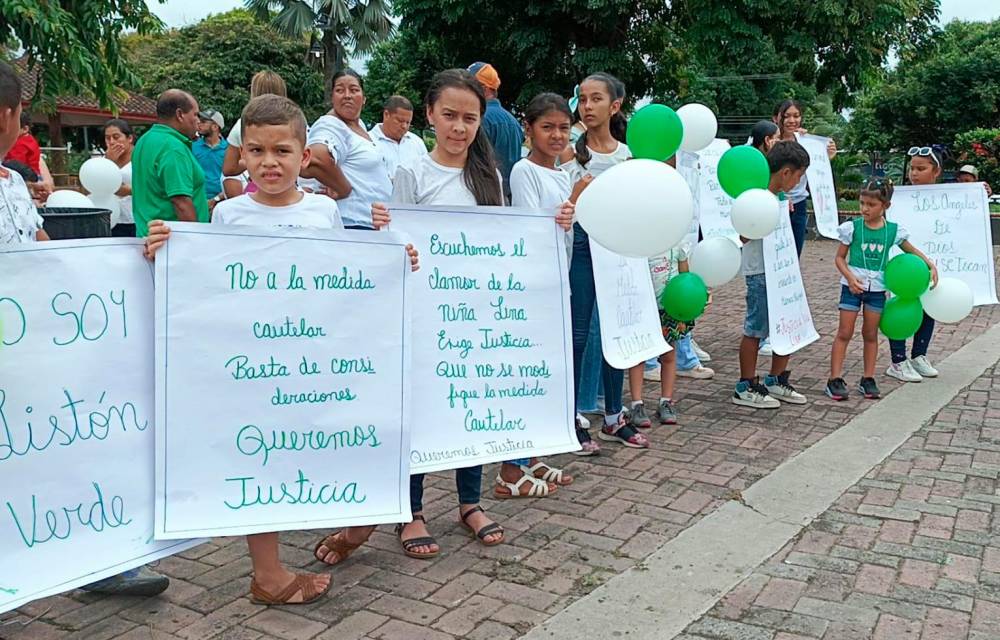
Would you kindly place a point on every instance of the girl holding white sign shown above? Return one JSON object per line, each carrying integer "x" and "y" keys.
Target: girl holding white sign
{"x": 925, "y": 168}
{"x": 861, "y": 259}
{"x": 597, "y": 150}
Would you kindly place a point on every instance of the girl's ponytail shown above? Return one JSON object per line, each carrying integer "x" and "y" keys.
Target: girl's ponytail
{"x": 480, "y": 171}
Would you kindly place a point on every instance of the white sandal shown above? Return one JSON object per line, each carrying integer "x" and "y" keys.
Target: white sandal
{"x": 539, "y": 488}
{"x": 553, "y": 475}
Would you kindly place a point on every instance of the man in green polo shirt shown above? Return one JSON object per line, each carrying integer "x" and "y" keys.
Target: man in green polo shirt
{"x": 167, "y": 181}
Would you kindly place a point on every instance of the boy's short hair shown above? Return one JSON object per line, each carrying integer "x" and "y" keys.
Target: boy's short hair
{"x": 787, "y": 153}
{"x": 25, "y": 119}
{"x": 10, "y": 87}
{"x": 270, "y": 109}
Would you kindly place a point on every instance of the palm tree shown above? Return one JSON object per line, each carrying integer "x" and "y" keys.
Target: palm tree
{"x": 335, "y": 28}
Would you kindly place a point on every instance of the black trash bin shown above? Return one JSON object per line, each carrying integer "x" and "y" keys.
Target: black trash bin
{"x": 68, "y": 223}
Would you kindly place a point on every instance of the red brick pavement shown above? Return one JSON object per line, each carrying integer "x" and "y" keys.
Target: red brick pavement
{"x": 623, "y": 505}
{"x": 912, "y": 551}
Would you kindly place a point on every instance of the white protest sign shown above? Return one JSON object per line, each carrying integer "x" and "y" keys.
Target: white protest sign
{"x": 714, "y": 204}
{"x": 950, "y": 223}
{"x": 281, "y": 364}
{"x": 493, "y": 345}
{"x": 790, "y": 323}
{"x": 821, "y": 187}
{"x": 630, "y": 322}
{"x": 76, "y": 416}
{"x": 688, "y": 165}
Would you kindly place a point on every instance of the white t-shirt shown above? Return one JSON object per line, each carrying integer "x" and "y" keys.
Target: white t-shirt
{"x": 535, "y": 187}
{"x": 871, "y": 279}
{"x": 313, "y": 211}
{"x": 235, "y": 136}
{"x": 427, "y": 182}
{"x": 362, "y": 164}
{"x": 599, "y": 162}
{"x": 125, "y": 202}
{"x": 19, "y": 219}
{"x": 394, "y": 154}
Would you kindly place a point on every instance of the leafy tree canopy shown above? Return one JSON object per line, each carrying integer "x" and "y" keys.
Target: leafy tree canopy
{"x": 936, "y": 92}
{"x": 215, "y": 59}
{"x": 76, "y": 44}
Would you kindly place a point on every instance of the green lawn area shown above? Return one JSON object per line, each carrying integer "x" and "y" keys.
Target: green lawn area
{"x": 847, "y": 206}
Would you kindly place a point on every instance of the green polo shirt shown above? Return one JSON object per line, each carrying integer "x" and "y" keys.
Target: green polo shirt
{"x": 163, "y": 167}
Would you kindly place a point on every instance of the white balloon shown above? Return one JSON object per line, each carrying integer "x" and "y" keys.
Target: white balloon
{"x": 112, "y": 204}
{"x": 755, "y": 213}
{"x": 949, "y": 302}
{"x": 716, "y": 260}
{"x": 67, "y": 198}
{"x": 700, "y": 126}
{"x": 100, "y": 176}
{"x": 639, "y": 208}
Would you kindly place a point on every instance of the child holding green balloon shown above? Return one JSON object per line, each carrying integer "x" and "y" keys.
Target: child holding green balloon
{"x": 862, "y": 259}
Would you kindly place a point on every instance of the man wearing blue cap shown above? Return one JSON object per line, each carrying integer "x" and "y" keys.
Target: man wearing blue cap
{"x": 501, "y": 127}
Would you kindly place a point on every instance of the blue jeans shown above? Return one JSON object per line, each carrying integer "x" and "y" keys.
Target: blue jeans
{"x": 799, "y": 218}
{"x": 468, "y": 480}
{"x": 686, "y": 358}
{"x": 590, "y": 376}
{"x": 921, "y": 340}
{"x": 583, "y": 302}
{"x": 756, "y": 323}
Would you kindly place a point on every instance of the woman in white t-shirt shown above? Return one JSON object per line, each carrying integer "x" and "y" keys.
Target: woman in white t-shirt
{"x": 119, "y": 141}
{"x": 346, "y": 162}
{"x": 597, "y": 150}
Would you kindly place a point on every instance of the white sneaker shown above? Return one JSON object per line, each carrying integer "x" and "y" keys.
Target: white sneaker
{"x": 652, "y": 375}
{"x": 923, "y": 367}
{"x": 778, "y": 387}
{"x": 698, "y": 373}
{"x": 765, "y": 348}
{"x": 903, "y": 371}
{"x": 755, "y": 397}
{"x": 701, "y": 353}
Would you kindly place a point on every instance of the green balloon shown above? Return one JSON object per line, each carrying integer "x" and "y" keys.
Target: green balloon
{"x": 907, "y": 276}
{"x": 654, "y": 133}
{"x": 901, "y": 318}
{"x": 684, "y": 297}
{"x": 743, "y": 168}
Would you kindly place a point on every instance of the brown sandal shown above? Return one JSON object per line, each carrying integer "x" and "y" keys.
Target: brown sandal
{"x": 413, "y": 543}
{"x": 303, "y": 583}
{"x": 336, "y": 543}
{"x": 487, "y": 530}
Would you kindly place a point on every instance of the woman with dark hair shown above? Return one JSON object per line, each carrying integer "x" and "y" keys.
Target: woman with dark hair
{"x": 119, "y": 141}
{"x": 763, "y": 135}
{"x": 346, "y": 163}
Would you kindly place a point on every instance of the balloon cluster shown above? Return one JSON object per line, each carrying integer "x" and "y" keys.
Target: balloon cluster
{"x": 644, "y": 208}
{"x": 908, "y": 277}
{"x": 744, "y": 175}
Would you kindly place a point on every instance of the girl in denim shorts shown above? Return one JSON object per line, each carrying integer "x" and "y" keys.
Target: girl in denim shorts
{"x": 861, "y": 258}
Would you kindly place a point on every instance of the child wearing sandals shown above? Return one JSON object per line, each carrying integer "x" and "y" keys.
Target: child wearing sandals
{"x": 863, "y": 252}
{"x": 662, "y": 268}
{"x": 274, "y": 137}
{"x": 461, "y": 170}
{"x": 537, "y": 183}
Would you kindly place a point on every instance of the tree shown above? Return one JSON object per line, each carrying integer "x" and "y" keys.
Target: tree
{"x": 403, "y": 65}
{"x": 340, "y": 27}
{"x": 215, "y": 59}
{"x": 936, "y": 93}
{"x": 76, "y": 44}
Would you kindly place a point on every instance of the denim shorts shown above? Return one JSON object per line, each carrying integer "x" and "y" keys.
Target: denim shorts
{"x": 872, "y": 300}
{"x": 755, "y": 325}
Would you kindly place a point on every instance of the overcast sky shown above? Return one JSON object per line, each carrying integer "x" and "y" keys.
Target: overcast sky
{"x": 177, "y": 13}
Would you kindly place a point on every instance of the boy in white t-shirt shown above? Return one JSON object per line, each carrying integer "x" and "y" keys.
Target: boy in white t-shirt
{"x": 19, "y": 219}
{"x": 274, "y": 138}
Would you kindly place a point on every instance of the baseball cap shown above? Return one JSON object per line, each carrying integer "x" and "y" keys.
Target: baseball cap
{"x": 214, "y": 116}
{"x": 485, "y": 74}
{"x": 971, "y": 170}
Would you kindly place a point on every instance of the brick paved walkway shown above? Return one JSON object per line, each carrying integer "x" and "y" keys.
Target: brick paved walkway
{"x": 623, "y": 505}
{"x": 910, "y": 552}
